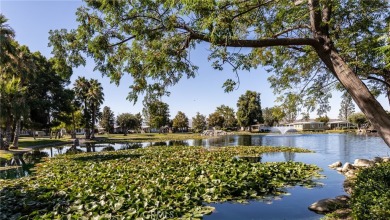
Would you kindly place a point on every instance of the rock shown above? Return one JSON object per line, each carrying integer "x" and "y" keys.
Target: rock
{"x": 348, "y": 184}
{"x": 339, "y": 169}
{"x": 385, "y": 159}
{"x": 329, "y": 205}
{"x": 350, "y": 174}
{"x": 335, "y": 164}
{"x": 347, "y": 166}
{"x": 363, "y": 163}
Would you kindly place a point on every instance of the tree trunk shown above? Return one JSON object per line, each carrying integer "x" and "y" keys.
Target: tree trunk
{"x": 74, "y": 126}
{"x": 93, "y": 122}
{"x": 359, "y": 92}
{"x": 8, "y": 135}
{"x": 17, "y": 133}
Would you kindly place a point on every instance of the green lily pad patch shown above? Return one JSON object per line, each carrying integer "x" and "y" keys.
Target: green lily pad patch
{"x": 148, "y": 183}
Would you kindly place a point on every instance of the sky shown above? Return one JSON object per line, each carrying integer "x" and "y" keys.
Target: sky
{"x": 33, "y": 19}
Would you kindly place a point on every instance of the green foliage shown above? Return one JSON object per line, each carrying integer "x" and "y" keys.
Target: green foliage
{"x": 156, "y": 113}
{"x": 272, "y": 116}
{"x": 347, "y": 106}
{"x": 358, "y": 119}
{"x": 229, "y": 116}
{"x": 90, "y": 94}
{"x": 215, "y": 120}
{"x": 308, "y": 47}
{"x": 249, "y": 109}
{"x": 324, "y": 119}
{"x": 199, "y": 122}
{"x": 127, "y": 121}
{"x": 108, "y": 119}
{"x": 175, "y": 181}
{"x": 180, "y": 121}
{"x": 371, "y": 193}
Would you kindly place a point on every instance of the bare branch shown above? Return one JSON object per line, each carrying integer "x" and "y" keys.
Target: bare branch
{"x": 379, "y": 80}
{"x": 291, "y": 29}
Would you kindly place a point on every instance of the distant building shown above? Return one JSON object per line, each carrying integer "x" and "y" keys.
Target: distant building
{"x": 335, "y": 124}
{"x": 307, "y": 125}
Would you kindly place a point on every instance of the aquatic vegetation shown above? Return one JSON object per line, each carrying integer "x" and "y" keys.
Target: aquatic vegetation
{"x": 163, "y": 182}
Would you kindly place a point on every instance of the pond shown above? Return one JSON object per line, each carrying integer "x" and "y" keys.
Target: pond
{"x": 328, "y": 147}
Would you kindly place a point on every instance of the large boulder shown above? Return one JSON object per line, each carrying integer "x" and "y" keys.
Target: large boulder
{"x": 324, "y": 206}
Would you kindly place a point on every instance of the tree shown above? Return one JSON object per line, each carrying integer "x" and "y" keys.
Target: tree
{"x": 156, "y": 113}
{"x": 308, "y": 45}
{"x": 81, "y": 86}
{"x": 358, "y": 119}
{"x": 272, "y": 115}
{"x": 324, "y": 119}
{"x": 278, "y": 113}
{"x": 108, "y": 119}
{"x": 7, "y": 35}
{"x": 215, "y": 120}
{"x": 127, "y": 121}
{"x": 180, "y": 121}
{"x": 347, "y": 106}
{"x": 229, "y": 116}
{"x": 249, "y": 109}
{"x": 95, "y": 98}
{"x": 199, "y": 122}
{"x": 90, "y": 94}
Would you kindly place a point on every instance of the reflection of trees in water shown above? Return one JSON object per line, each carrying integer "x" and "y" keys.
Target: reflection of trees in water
{"x": 91, "y": 147}
{"x": 177, "y": 143}
{"x": 108, "y": 148}
{"x": 198, "y": 142}
{"x": 128, "y": 146}
{"x": 22, "y": 167}
{"x": 73, "y": 150}
{"x": 160, "y": 143}
{"x": 34, "y": 157}
{"x": 59, "y": 149}
{"x": 289, "y": 156}
{"x": 244, "y": 140}
{"x": 16, "y": 172}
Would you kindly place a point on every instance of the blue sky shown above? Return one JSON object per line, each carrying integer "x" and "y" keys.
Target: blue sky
{"x": 33, "y": 19}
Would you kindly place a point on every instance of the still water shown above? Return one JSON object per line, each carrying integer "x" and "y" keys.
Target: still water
{"x": 328, "y": 148}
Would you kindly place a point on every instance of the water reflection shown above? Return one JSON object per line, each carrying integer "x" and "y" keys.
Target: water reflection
{"x": 20, "y": 164}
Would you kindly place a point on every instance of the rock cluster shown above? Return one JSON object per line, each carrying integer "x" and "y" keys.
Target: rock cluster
{"x": 349, "y": 170}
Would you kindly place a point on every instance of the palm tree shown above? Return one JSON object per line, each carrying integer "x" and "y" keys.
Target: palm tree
{"x": 95, "y": 98}
{"x": 6, "y": 37}
{"x": 81, "y": 87}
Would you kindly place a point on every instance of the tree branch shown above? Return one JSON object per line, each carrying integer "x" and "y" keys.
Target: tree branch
{"x": 250, "y": 43}
{"x": 380, "y": 80}
{"x": 122, "y": 41}
{"x": 291, "y": 29}
{"x": 315, "y": 17}
{"x": 250, "y": 9}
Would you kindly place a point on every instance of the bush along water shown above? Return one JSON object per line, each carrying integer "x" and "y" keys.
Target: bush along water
{"x": 153, "y": 182}
{"x": 371, "y": 193}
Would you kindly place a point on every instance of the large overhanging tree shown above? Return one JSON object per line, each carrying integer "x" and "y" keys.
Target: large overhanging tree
{"x": 307, "y": 44}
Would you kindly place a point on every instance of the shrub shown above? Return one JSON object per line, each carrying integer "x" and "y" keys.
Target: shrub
{"x": 371, "y": 193}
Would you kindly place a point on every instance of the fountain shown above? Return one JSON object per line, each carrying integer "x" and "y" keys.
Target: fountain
{"x": 283, "y": 129}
